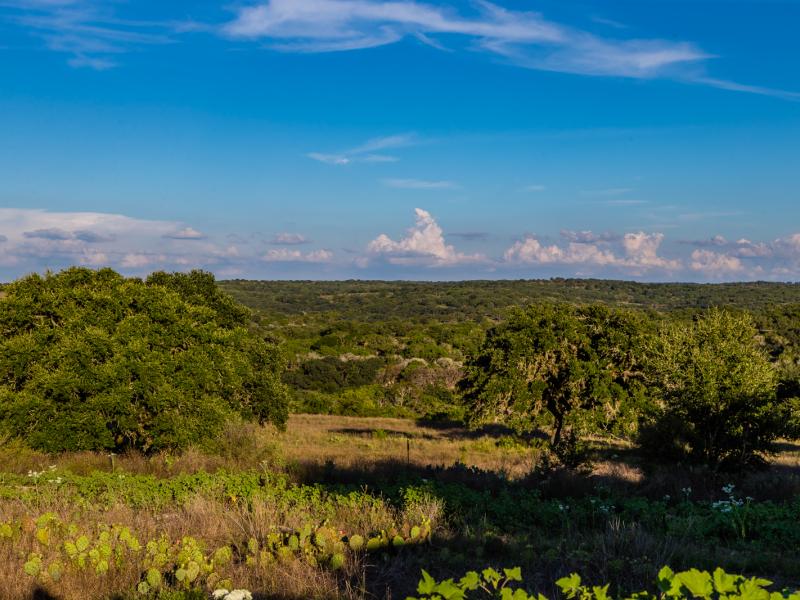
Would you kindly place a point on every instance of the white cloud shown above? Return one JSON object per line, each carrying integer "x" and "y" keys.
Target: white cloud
{"x": 607, "y": 192}
{"x": 329, "y": 159}
{"x": 532, "y": 251}
{"x": 186, "y": 233}
{"x": 715, "y": 264}
{"x": 420, "y": 184}
{"x": 286, "y": 255}
{"x": 138, "y": 261}
{"x": 288, "y": 239}
{"x": 367, "y": 152}
{"x": 423, "y": 244}
{"x": 89, "y": 32}
{"x": 38, "y": 239}
{"x": 588, "y": 237}
{"x": 526, "y": 38}
{"x": 641, "y": 250}
{"x": 589, "y": 249}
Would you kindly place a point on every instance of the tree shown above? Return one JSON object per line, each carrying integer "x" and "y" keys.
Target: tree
{"x": 90, "y": 360}
{"x": 715, "y": 390}
{"x": 558, "y": 366}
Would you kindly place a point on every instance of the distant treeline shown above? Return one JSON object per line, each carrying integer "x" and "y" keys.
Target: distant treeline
{"x": 398, "y": 348}
{"x": 382, "y": 300}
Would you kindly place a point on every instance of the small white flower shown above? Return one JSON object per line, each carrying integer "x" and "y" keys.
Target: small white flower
{"x": 219, "y": 594}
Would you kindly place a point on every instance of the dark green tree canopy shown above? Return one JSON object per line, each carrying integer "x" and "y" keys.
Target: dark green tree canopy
{"x": 557, "y": 366}
{"x": 93, "y": 360}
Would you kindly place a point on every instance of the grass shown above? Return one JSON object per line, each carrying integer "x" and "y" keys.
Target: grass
{"x": 373, "y": 474}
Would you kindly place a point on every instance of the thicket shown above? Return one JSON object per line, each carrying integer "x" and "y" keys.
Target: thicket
{"x": 91, "y": 360}
{"x": 703, "y": 389}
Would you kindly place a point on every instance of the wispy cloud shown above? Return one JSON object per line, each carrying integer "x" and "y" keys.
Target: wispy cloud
{"x": 88, "y": 32}
{"x": 420, "y": 184}
{"x": 288, "y": 239}
{"x": 368, "y": 152}
{"x": 606, "y": 192}
{"x": 624, "y": 202}
{"x": 286, "y": 255}
{"x": 524, "y": 38}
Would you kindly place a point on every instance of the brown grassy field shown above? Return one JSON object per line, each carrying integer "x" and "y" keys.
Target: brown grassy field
{"x": 354, "y": 450}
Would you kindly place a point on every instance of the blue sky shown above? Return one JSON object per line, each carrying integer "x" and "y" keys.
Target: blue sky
{"x": 655, "y": 140}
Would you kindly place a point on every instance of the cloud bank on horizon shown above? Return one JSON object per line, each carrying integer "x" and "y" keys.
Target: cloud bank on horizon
{"x": 39, "y": 240}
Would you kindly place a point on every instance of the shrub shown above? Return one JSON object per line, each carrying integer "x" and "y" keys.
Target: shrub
{"x": 715, "y": 391}
{"x": 90, "y": 360}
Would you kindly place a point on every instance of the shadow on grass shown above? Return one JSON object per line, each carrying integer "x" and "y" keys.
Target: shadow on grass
{"x": 626, "y": 474}
{"x": 43, "y": 594}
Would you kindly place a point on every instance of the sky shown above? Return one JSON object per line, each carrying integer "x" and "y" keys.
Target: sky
{"x": 651, "y": 140}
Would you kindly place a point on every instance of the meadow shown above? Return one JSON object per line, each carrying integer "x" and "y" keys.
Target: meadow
{"x": 161, "y": 441}
{"x": 351, "y": 507}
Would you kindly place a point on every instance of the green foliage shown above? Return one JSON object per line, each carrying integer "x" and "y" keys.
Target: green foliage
{"x": 486, "y": 583}
{"x": 569, "y": 368}
{"x": 716, "y": 391}
{"x": 691, "y": 584}
{"x": 92, "y": 360}
{"x": 332, "y": 374}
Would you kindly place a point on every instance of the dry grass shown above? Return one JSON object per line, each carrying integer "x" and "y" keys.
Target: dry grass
{"x": 357, "y": 442}
{"x": 316, "y": 446}
{"x": 348, "y": 449}
{"x": 216, "y": 524}
{"x": 347, "y": 442}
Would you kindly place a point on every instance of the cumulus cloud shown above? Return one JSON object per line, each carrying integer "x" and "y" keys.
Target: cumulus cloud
{"x": 38, "y": 239}
{"x": 186, "y": 233}
{"x": 715, "y": 264}
{"x": 640, "y": 251}
{"x": 288, "y": 239}
{"x": 532, "y": 251}
{"x": 93, "y": 237}
{"x": 423, "y": 244}
{"x": 286, "y": 255}
{"x": 53, "y": 233}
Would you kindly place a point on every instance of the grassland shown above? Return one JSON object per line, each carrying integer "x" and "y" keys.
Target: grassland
{"x": 478, "y": 492}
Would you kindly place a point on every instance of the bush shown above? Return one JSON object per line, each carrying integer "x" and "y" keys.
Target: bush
{"x": 715, "y": 391}
{"x": 331, "y": 374}
{"x": 90, "y": 360}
